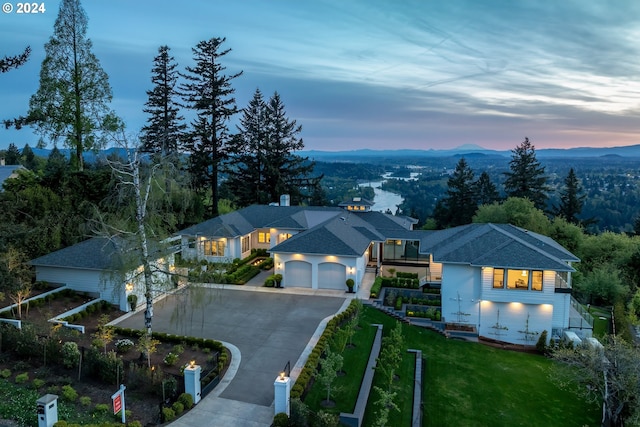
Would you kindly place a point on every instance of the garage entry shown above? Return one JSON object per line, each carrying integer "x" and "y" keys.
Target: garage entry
{"x": 298, "y": 274}
{"x": 332, "y": 276}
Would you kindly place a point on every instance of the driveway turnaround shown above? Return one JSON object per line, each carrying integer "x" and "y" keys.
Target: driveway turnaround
{"x": 269, "y": 328}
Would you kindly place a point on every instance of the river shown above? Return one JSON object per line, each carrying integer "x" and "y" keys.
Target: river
{"x": 384, "y": 200}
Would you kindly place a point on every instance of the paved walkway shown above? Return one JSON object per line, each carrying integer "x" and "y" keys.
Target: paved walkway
{"x": 244, "y": 397}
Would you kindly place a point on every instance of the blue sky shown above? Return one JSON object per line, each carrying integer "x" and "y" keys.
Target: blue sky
{"x": 377, "y": 74}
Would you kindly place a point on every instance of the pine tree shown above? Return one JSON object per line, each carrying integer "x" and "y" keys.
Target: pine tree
{"x": 164, "y": 126}
{"x": 10, "y": 62}
{"x": 72, "y": 100}
{"x": 209, "y": 93}
{"x": 526, "y": 178}
{"x": 12, "y": 155}
{"x": 486, "y": 191}
{"x": 459, "y": 206}
{"x": 286, "y": 172}
{"x": 571, "y": 199}
{"x": 29, "y": 158}
{"x": 263, "y": 164}
{"x": 247, "y": 150}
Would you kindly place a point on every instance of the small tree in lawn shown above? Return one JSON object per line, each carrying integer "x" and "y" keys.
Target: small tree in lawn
{"x": 105, "y": 333}
{"x": 391, "y": 355}
{"x": 330, "y": 364}
{"x": 147, "y": 346}
{"x": 384, "y": 404}
{"x": 15, "y": 276}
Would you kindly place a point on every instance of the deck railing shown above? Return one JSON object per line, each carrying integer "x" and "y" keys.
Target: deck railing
{"x": 584, "y": 314}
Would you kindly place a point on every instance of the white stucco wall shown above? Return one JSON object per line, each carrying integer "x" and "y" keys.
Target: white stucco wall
{"x": 85, "y": 281}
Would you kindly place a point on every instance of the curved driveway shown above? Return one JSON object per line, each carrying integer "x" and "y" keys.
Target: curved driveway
{"x": 270, "y": 327}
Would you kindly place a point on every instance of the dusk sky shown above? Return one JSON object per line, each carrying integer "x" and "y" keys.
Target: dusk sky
{"x": 376, "y": 74}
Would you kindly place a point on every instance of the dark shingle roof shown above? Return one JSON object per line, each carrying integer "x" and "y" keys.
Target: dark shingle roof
{"x": 346, "y": 235}
{"x": 498, "y": 245}
{"x": 98, "y": 253}
{"x": 246, "y": 220}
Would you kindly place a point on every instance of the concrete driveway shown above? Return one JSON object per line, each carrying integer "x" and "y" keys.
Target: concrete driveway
{"x": 270, "y": 327}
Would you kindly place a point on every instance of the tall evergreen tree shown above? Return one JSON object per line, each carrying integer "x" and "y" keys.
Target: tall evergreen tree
{"x": 10, "y": 62}
{"x": 459, "y": 206}
{"x": 29, "y": 158}
{"x": 286, "y": 172}
{"x": 209, "y": 93}
{"x": 247, "y": 150}
{"x": 526, "y": 177}
{"x": 72, "y": 100}
{"x": 486, "y": 191}
{"x": 164, "y": 126}
{"x": 12, "y": 155}
{"x": 571, "y": 199}
{"x": 263, "y": 164}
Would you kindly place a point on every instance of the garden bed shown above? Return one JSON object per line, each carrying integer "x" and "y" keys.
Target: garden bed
{"x": 36, "y": 352}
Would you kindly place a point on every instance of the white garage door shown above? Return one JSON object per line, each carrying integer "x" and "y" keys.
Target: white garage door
{"x": 332, "y": 276}
{"x": 298, "y": 274}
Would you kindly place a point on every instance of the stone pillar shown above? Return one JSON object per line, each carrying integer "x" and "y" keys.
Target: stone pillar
{"x": 282, "y": 391}
{"x": 192, "y": 382}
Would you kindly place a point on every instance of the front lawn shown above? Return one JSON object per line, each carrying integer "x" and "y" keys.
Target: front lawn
{"x": 470, "y": 384}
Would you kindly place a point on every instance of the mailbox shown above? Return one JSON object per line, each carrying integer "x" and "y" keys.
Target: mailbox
{"x": 47, "y": 410}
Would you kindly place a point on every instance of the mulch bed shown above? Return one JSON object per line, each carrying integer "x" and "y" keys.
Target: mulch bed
{"x": 145, "y": 408}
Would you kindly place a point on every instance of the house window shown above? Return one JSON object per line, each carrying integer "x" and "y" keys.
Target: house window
{"x": 264, "y": 237}
{"x": 498, "y": 278}
{"x": 517, "y": 279}
{"x": 284, "y": 236}
{"x": 245, "y": 244}
{"x": 536, "y": 280}
{"x": 213, "y": 247}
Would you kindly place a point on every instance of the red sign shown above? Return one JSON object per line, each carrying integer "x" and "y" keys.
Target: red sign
{"x": 117, "y": 403}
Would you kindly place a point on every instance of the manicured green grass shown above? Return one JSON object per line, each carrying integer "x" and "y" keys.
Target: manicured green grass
{"x": 470, "y": 384}
{"x": 601, "y": 321}
{"x": 345, "y": 388}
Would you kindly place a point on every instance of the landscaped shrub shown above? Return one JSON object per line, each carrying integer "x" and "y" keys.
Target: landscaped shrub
{"x": 5, "y": 373}
{"x": 37, "y": 383}
{"x": 178, "y": 408}
{"x": 541, "y": 345}
{"x": 123, "y": 345}
{"x": 168, "y": 415}
{"x": 85, "y": 401}
{"x": 69, "y": 394}
{"x": 186, "y": 400}
{"x": 398, "y": 305}
{"x": 170, "y": 359}
{"x": 22, "y": 378}
{"x": 70, "y": 354}
{"x": 102, "y": 408}
{"x": 178, "y": 349}
{"x": 280, "y": 420}
{"x": 135, "y": 423}
{"x": 376, "y": 287}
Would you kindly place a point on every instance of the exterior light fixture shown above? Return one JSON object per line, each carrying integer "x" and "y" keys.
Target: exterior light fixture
{"x": 281, "y": 378}
{"x": 129, "y": 287}
{"x": 524, "y": 273}
{"x": 192, "y": 363}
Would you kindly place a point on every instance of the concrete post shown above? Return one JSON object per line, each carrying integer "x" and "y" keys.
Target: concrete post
{"x": 282, "y": 391}
{"x": 47, "y": 409}
{"x": 192, "y": 382}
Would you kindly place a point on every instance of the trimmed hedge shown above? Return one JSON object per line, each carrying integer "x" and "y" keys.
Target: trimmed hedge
{"x": 309, "y": 369}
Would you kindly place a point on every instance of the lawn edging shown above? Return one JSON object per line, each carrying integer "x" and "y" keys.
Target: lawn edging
{"x": 416, "y": 418}
{"x": 355, "y": 419}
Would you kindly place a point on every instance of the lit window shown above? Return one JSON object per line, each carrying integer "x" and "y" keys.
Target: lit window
{"x": 264, "y": 237}
{"x": 498, "y": 278}
{"x": 536, "y": 280}
{"x": 518, "y": 279}
{"x": 213, "y": 247}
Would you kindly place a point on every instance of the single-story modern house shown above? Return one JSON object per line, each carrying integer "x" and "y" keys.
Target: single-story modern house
{"x": 96, "y": 266}
{"x": 511, "y": 284}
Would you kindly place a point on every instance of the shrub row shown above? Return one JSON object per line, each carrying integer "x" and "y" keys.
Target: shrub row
{"x": 242, "y": 274}
{"x": 171, "y": 338}
{"x": 431, "y": 313}
{"x": 302, "y": 383}
{"x": 395, "y": 282}
{"x": 376, "y": 287}
{"x": 99, "y": 307}
{"x": 405, "y": 275}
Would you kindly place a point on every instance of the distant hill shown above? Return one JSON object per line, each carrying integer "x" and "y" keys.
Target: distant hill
{"x": 467, "y": 150}
{"x": 471, "y": 150}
